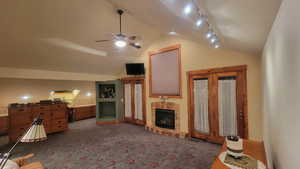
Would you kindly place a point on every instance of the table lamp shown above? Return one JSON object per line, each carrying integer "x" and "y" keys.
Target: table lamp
{"x": 234, "y": 146}
{"x": 35, "y": 133}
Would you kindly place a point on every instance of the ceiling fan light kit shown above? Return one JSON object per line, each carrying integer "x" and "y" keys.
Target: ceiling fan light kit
{"x": 121, "y": 40}
{"x": 121, "y": 43}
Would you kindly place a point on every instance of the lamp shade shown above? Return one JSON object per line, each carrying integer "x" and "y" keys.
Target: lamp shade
{"x": 35, "y": 133}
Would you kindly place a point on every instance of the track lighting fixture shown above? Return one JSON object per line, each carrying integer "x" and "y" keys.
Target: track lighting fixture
{"x": 202, "y": 19}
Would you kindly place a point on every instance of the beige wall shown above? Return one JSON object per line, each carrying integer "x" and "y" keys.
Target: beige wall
{"x": 6, "y": 72}
{"x": 13, "y": 89}
{"x": 281, "y": 88}
{"x": 195, "y": 56}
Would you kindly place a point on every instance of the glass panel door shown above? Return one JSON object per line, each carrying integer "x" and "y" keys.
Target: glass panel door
{"x": 128, "y": 109}
{"x": 201, "y": 120}
{"x": 138, "y": 101}
{"x": 227, "y": 106}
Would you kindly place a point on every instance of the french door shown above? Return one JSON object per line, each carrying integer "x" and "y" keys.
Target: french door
{"x": 134, "y": 101}
{"x": 218, "y": 103}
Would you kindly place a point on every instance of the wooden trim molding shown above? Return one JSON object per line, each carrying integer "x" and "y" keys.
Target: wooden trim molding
{"x": 219, "y": 70}
{"x": 133, "y": 78}
{"x": 151, "y": 53}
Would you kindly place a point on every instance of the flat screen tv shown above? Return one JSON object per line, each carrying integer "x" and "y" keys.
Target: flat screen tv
{"x": 135, "y": 69}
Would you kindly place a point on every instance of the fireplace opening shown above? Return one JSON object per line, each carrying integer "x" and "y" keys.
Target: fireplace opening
{"x": 165, "y": 118}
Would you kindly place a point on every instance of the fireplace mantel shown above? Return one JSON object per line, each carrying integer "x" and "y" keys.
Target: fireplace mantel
{"x": 170, "y": 106}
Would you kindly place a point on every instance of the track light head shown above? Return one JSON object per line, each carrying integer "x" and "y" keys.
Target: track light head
{"x": 217, "y": 45}
{"x": 213, "y": 39}
{"x": 209, "y": 34}
{"x": 187, "y": 9}
{"x": 200, "y": 22}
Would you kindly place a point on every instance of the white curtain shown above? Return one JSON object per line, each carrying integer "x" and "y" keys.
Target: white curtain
{"x": 138, "y": 102}
{"x": 128, "y": 111}
{"x": 227, "y": 107}
{"x": 201, "y": 121}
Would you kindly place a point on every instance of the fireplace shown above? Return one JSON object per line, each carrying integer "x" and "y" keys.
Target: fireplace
{"x": 165, "y": 118}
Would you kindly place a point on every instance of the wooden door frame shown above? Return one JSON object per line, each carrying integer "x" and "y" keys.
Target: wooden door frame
{"x": 192, "y": 106}
{"x": 242, "y": 70}
{"x": 132, "y": 81}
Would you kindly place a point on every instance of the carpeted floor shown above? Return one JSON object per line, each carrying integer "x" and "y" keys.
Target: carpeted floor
{"x": 124, "y": 146}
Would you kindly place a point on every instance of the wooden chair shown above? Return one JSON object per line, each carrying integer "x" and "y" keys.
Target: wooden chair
{"x": 24, "y": 164}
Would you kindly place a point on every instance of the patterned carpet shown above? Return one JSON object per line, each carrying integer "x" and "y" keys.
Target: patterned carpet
{"x": 124, "y": 146}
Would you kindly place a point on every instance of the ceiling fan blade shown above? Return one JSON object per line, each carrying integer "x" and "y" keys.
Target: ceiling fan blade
{"x": 135, "y": 45}
{"x": 134, "y": 38}
{"x": 102, "y": 40}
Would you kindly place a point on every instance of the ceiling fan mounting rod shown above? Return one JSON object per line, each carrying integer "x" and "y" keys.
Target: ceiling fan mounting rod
{"x": 120, "y": 12}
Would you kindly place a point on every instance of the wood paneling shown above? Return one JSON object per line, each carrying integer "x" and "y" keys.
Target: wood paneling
{"x": 151, "y": 54}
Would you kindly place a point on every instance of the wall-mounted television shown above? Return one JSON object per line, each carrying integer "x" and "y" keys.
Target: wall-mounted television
{"x": 135, "y": 69}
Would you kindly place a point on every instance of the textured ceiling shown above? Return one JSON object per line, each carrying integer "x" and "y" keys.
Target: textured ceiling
{"x": 60, "y": 35}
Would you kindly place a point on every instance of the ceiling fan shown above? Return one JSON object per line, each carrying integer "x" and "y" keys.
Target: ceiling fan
{"x": 121, "y": 40}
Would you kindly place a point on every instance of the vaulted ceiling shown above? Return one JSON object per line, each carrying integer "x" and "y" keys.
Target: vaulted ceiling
{"x": 242, "y": 25}
{"x": 60, "y": 35}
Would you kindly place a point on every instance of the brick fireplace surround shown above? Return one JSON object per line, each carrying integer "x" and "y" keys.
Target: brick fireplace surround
{"x": 170, "y": 132}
